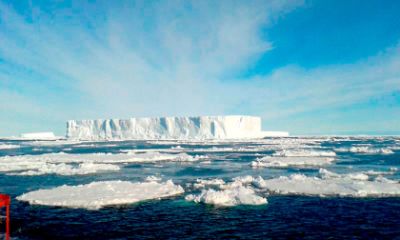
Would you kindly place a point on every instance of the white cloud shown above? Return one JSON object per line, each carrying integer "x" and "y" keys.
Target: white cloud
{"x": 292, "y": 90}
{"x": 172, "y": 58}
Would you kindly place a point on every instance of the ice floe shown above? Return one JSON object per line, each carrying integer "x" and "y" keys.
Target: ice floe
{"x": 331, "y": 184}
{"x": 153, "y": 179}
{"x": 217, "y": 192}
{"x": 365, "y": 150}
{"x": 282, "y": 162}
{"x": 325, "y": 174}
{"x": 96, "y": 195}
{"x": 8, "y": 146}
{"x": 67, "y": 169}
{"x": 326, "y": 183}
{"x": 201, "y": 183}
{"x": 304, "y": 153}
{"x": 229, "y": 197}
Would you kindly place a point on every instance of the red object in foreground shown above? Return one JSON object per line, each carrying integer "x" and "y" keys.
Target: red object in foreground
{"x": 5, "y": 202}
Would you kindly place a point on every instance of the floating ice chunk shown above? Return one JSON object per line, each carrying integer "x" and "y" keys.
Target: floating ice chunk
{"x": 205, "y": 162}
{"x": 60, "y": 163}
{"x": 220, "y": 193}
{"x": 354, "y": 176}
{"x": 7, "y": 162}
{"x": 8, "y": 146}
{"x": 243, "y": 179}
{"x": 365, "y": 150}
{"x": 57, "y": 142}
{"x": 281, "y": 162}
{"x": 377, "y": 173}
{"x": 96, "y": 195}
{"x": 157, "y": 156}
{"x": 229, "y": 197}
{"x": 396, "y": 147}
{"x": 201, "y": 183}
{"x": 331, "y": 185}
{"x": 213, "y": 149}
{"x": 240, "y": 149}
{"x": 153, "y": 179}
{"x": 304, "y": 153}
{"x": 67, "y": 169}
{"x": 383, "y": 179}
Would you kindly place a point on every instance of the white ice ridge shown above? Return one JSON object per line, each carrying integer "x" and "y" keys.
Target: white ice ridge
{"x": 217, "y": 192}
{"x": 68, "y": 169}
{"x": 96, "y": 195}
{"x": 66, "y": 164}
{"x": 365, "y": 150}
{"x": 281, "y": 162}
{"x": 206, "y": 127}
{"x": 8, "y": 146}
{"x": 304, "y": 153}
{"x": 229, "y": 197}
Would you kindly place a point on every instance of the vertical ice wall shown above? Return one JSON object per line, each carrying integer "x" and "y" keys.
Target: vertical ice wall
{"x": 206, "y": 127}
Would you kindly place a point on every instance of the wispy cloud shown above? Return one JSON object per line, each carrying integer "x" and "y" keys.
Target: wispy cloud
{"x": 292, "y": 89}
{"x": 166, "y": 58}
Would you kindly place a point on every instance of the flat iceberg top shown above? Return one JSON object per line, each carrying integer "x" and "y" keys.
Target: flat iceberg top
{"x": 205, "y": 127}
{"x": 39, "y": 136}
{"x": 96, "y": 195}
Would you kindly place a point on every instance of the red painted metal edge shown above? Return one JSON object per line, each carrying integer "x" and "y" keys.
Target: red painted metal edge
{"x": 5, "y": 201}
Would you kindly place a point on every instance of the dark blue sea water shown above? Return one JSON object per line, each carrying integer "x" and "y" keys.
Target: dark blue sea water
{"x": 284, "y": 217}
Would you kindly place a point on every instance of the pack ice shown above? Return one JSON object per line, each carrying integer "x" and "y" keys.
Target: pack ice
{"x": 81, "y": 164}
{"x": 205, "y": 127}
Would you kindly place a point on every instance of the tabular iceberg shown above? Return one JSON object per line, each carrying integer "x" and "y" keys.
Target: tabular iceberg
{"x": 205, "y": 127}
{"x": 39, "y": 136}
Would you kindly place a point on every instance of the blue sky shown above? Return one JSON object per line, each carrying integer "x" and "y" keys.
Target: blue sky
{"x": 308, "y": 67}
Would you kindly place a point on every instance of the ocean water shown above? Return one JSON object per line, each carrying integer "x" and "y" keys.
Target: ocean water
{"x": 334, "y": 188}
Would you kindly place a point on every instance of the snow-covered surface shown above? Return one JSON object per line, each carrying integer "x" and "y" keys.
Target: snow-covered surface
{"x": 39, "y": 136}
{"x": 205, "y": 127}
{"x": 96, "y": 195}
{"x": 280, "y": 162}
{"x": 65, "y": 164}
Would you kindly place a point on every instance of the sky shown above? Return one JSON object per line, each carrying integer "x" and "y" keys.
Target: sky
{"x": 308, "y": 67}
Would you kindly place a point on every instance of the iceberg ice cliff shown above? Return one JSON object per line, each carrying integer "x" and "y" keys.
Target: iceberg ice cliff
{"x": 205, "y": 127}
